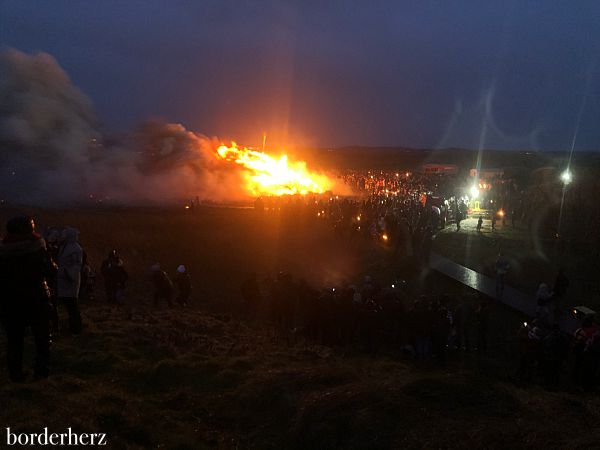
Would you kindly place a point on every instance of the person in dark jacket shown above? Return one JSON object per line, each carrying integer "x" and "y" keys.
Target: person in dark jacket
{"x": 163, "y": 286}
{"x": 115, "y": 276}
{"x": 561, "y": 283}
{"x": 184, "y": 285}
{"x": 25, "y": 267}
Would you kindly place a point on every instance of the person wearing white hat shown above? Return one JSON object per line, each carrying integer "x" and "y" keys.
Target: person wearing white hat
{"x": 184, "y": 285}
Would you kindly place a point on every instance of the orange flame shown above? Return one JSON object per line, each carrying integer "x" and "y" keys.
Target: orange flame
{"x": 266, "y": 175}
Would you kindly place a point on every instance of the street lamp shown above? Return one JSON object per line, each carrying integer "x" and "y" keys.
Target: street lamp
{"x": 474, "y": 192}
{"x": 566, "y": 176}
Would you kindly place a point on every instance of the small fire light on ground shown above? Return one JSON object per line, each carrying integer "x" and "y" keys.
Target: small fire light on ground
{"x": 268, "y": 175}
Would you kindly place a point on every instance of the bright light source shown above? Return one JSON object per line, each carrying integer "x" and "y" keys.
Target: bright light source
{"x": 384, "y": 237}
{"x": 474, "y": 192}
{"x": 566, "y": 176}
{"x": 501, "y": 213}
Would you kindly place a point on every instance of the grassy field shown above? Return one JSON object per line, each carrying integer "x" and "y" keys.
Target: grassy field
{"x": 220, "y": 246}
{"x": 205, "y": 377}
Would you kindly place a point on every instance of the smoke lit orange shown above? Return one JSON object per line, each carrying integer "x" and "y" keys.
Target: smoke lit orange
{"x": 267, "y": 175}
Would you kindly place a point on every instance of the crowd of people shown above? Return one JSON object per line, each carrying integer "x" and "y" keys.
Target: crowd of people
{"x": 369, "y": 316}
{"x": 400, "y": 210}
{"x": 393, "y": 319}
{"x": 39, "y": 274}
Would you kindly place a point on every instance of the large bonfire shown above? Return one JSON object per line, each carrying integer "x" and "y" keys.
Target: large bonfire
{"x": 268, "y": 175}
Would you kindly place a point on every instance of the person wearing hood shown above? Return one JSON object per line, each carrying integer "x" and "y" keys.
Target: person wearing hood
{"x": 25, "y": 268}
{"x": 184, "y": 285}
{"x": 68, "y": 282}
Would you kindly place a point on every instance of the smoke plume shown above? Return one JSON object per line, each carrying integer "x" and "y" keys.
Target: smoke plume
{"x": 52, "y": 149}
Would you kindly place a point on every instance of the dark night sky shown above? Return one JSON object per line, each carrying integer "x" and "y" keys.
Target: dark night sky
{"x": 510, "y": 74}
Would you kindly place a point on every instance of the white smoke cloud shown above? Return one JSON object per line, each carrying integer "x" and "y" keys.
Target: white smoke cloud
{"x": 52, "y": 149}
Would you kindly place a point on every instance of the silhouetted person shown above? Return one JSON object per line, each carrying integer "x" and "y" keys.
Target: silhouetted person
{"x": 529, "y": 340}
{"x": 68, "y": 281}
{"x": 85, "y": 271}
{"x": 463, "y": 320}
{"x": 163, "y": 287}
{"x": 25, "y": 267}
{"x": 587, "y": 354}
{"x": 561, "y": 283}
{"x": 580, "y": 338}
{"x": 479, "y": 224}
{"x": 184, "y": 285}
{"x": 259, "y": 205}
{"x": 501, "y": 267}
{"x": 546, "y": 305}
{"x": 115, "y": 276}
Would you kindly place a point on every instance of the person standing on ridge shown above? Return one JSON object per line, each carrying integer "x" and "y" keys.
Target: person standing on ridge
{"x": 25, "y": 269}
{"x": 68, "y": 281}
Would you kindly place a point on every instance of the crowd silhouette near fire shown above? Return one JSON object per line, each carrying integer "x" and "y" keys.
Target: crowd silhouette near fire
{"x": 401, "y": 211}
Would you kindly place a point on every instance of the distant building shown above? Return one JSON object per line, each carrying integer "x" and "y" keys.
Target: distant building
{"x": 487, "y": 174}
{"x": 449, "y": 169}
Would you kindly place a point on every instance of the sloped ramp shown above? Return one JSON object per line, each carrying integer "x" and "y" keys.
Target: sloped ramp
{"x": 487, "y": 286}
{"x": 483, "y": 283}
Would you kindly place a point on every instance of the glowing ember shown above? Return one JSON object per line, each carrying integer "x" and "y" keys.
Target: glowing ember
{"x": 266, "y": 175}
